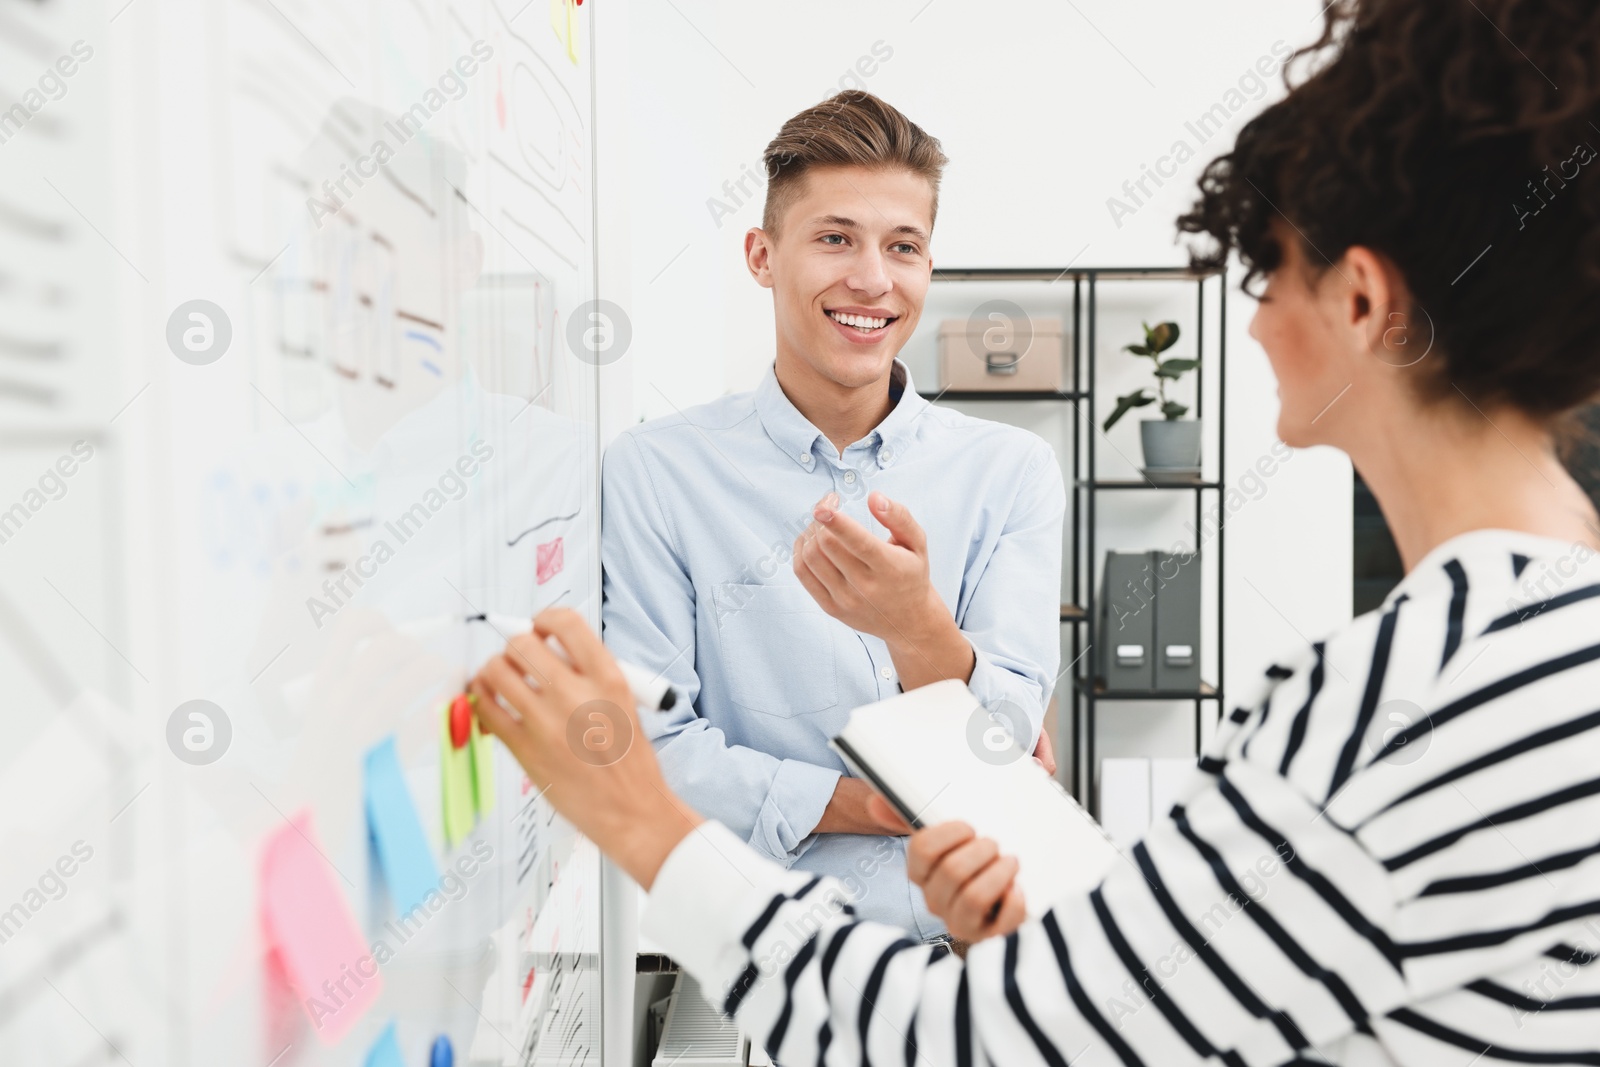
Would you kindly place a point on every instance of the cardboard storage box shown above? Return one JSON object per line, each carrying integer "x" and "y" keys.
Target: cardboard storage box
{"x": 1001, "y": 356}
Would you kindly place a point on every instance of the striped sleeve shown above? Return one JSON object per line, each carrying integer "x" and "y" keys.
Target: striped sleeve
{"x": 1244, "y": 929}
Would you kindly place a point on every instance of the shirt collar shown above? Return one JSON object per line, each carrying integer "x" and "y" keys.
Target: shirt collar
{"x": 797, "y": 437}
{"x": 1429, "y": 576}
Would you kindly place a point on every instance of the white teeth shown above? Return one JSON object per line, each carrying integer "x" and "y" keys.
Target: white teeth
{"x": 860, "y": 322}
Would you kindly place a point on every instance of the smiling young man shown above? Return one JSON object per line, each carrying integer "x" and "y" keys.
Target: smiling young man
{"x": 830, "y": 539}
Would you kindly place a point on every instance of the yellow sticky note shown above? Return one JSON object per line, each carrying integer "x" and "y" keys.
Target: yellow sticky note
{"x": 559, "y": 18}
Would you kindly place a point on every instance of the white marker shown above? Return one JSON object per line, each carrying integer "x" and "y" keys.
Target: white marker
{"x": 651, "y": 691}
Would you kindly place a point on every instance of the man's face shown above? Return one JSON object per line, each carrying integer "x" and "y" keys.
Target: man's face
{"x": 849, "y": 270}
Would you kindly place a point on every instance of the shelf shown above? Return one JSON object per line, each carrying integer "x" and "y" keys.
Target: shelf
{"x": 1053, "y": 274}
{"x": 1206, "y": 692}
{"x": 1190, "y": 482}
{"x": 1074, "y": 292}
{"x": 998, "y": 394}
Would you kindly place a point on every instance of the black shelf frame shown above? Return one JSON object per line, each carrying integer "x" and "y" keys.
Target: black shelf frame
{"x": 1015, "y": 394}
{"x": 1080, "y": 612}
{"x": 1103, "y": 484}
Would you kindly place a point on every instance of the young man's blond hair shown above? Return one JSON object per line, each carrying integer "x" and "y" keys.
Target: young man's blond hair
{"x": 850, "y": 129}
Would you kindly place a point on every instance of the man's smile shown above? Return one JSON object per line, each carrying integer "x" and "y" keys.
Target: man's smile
{"x": 861, "y": 325}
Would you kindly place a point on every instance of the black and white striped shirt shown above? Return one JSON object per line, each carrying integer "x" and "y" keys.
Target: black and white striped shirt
{"x": 1392, "y": 856}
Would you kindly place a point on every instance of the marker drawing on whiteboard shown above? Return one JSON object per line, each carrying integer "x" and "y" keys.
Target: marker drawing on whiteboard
{"x": 549, "y": 560}
{"x": 540, "y": 526}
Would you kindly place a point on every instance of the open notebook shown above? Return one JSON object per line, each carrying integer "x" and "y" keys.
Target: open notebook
{"x": 936, "y": 755}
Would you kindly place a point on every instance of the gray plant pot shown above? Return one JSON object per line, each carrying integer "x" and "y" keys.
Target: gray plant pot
{"x": 1170, "y": 444}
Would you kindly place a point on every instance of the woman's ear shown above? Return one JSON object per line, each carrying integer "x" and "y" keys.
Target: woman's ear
{"x": 1377, "y": 306}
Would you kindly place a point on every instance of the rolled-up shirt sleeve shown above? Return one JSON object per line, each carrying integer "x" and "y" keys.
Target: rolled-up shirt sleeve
{"x": 648, "y": 619}
{"x": 1012, "y": 611}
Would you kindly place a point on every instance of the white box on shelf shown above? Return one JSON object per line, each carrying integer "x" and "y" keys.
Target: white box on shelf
{"x": 1125, "y": 799}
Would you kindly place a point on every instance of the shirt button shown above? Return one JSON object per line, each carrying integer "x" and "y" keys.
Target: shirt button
{"x": 886, "y": 673}
{"x": 850, "y": 477}
{"x": 805, "y": 457}
{"x": 886, "y": 454}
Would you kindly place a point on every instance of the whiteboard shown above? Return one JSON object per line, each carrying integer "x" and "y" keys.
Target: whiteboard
{"x": 384, "y": 215}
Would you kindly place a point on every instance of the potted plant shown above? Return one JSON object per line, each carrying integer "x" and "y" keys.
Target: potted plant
{"x": 1171, "y": 445}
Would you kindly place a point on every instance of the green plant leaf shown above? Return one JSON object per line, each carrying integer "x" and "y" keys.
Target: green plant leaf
{"x": 1176, "y": 368}
{"x": 1138, "y": 350}
{"x": 1174, "y": 410}
{"x": 1125, "y": 404}
{"x": 1163, "y": 336}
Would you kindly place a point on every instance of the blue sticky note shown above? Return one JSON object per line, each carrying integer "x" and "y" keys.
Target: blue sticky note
{"x": 396, "y": 831}
{"x": 385, "y": 1052}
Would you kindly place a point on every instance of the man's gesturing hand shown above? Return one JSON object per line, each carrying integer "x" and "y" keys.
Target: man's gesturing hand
{"x": 882, "y": 588}
{"x": 875, "y": 586}
{"x": 573, "y": 728}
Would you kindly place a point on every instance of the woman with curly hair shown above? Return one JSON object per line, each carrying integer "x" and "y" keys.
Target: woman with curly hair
{"x": 1338, "y": 884}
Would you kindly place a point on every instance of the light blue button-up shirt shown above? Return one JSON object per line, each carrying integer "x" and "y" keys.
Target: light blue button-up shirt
{"x": 700, "y": 512}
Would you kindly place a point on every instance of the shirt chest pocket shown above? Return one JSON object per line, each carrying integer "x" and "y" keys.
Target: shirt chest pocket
{"x": 778, "y": 649}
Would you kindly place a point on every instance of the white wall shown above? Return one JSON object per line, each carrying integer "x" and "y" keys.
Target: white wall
{"x": 1045, "y": 110}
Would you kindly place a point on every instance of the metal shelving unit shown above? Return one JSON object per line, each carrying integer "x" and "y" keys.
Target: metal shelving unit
{"x": 1085, "y": 691}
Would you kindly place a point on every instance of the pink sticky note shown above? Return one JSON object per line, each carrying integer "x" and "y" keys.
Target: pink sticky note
{"x": 549, "y": 561}
{"x": 310, "y": 927}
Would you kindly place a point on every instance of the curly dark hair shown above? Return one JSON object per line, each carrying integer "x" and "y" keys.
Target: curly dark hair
{"x": 1458, "y": 138}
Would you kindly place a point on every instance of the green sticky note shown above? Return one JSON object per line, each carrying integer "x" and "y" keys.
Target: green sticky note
{"x": 455, "y": 783}
{"x": 482, "y": 769}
